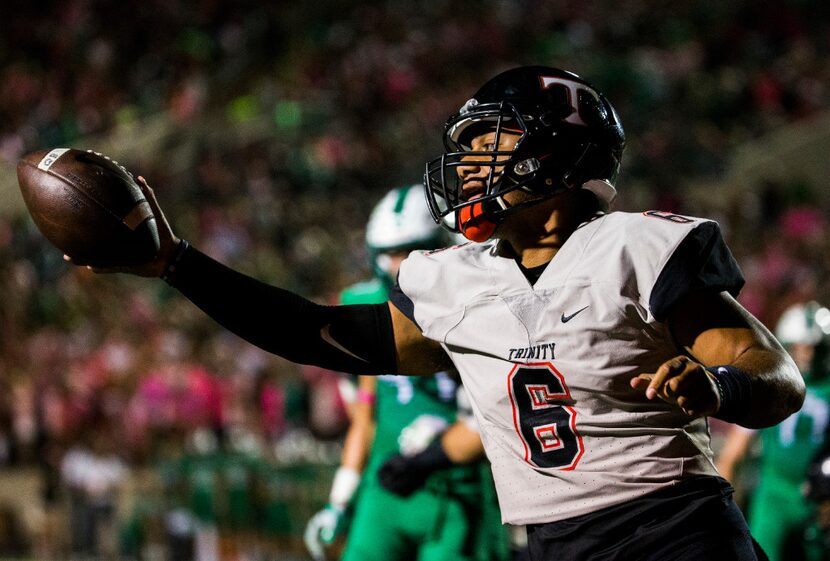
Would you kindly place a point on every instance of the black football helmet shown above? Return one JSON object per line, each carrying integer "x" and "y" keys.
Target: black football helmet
{"x": 570, "y": 137}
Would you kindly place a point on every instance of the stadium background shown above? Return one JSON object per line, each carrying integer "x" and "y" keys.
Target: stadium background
{"x": 268, "y": 131}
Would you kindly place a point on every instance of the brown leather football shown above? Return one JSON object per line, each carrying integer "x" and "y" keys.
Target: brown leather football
{"x": 89, "y": 207}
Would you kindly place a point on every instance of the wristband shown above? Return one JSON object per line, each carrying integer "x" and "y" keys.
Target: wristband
{"x": 169, "y": 273}
{"x": 735, "y": 390}
{"x": 345, "y": 484}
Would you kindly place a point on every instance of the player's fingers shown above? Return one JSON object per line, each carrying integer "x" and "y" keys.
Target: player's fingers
{"x": 151, "y": 198}
{"x": 667, "y": 370}
{"x": 677, "y": 385}
{"x": 693, "y": 390}
{"x": 641, "y": 381}
{"x": 656, "y": 381}
{"x": 695, "y": 406}
{"x": 699, "y": 394}
{"x": 691, "y": 382}
{"x": 686, "y": 405}
{"x": 683, "y": 382}
{"x": 169, "y": 242}
{"x": 148, "y": 191}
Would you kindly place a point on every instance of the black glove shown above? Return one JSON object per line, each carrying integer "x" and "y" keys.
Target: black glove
{"x": 403, "y": 475}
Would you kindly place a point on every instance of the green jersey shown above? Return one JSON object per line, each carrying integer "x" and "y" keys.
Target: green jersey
{"x": 778, "y": 511}
{"x": 455, "y": 516}
{"x": 400, "y": 400}
{"x": 789, "y": 446}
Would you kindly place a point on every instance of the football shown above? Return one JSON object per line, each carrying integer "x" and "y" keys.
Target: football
{"x": 89, "y": 207}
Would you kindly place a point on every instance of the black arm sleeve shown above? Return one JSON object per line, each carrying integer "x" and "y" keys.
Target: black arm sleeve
{"x": 702, "y": 261}
{"x": 357, "y": 339}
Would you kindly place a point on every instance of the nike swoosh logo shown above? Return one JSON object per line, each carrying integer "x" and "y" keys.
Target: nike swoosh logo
{"x": 325, "y": 335}
{"x": 566, "y": 319}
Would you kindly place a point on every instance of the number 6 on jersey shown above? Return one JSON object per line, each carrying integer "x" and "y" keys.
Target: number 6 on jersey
{"x": 546, "y": 426}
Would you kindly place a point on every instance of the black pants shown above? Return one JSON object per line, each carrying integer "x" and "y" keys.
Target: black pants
{"x": 696, "y": 520}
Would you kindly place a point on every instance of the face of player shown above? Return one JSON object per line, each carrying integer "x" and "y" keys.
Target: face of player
{"x": 475, "y": 177}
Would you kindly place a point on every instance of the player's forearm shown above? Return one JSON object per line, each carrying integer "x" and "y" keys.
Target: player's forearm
{"x": 462, "y": 444}
{"x": 357, "y": 339}
{"x": 358, "y": 438}
{"x": 716, "y": 331}
{"x": 778, "y": 389}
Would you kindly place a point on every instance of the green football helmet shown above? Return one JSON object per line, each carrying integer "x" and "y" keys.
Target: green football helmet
{"x": 400, "y": 222}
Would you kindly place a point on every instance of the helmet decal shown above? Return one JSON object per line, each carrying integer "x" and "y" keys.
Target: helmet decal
{"x": 573, "y": 89}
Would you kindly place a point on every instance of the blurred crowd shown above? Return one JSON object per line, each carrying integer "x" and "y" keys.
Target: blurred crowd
{"x": 345, "y": 101}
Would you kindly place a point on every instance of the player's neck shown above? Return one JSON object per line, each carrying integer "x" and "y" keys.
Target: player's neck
{"x": 534, "y": 254}
{"x": 536, "y": 238}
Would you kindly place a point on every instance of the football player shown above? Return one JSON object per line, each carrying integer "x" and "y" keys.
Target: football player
{"x": 778, "y": 513}
{"x": 403, "y": 441}
{"x": 592, "y": 344}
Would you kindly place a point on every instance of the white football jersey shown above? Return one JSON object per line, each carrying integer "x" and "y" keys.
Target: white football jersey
{"x": 547, "y": 366}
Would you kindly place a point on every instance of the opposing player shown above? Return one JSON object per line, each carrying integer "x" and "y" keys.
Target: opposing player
{"x": 592, "y": 345}
{"x": 403, "y": 443}
{"x": 778, "y": 513}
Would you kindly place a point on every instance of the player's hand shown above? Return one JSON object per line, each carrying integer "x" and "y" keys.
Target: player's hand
{"x": 401, "y": 476}
{"x": 168, "y": 242}
{"x": 683, "y": 382}
{"x": 322, "y": 530}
